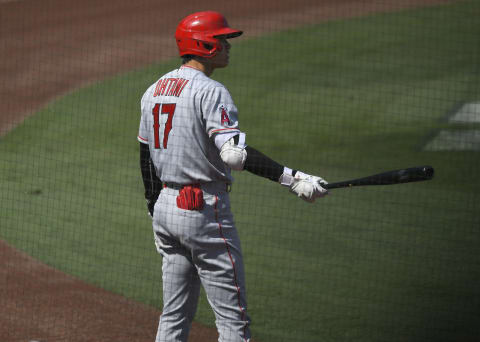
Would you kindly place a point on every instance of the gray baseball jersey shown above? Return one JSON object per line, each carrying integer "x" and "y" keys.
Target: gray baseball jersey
{"x": 184, "y": 114}
{"x": 186, "y": 118}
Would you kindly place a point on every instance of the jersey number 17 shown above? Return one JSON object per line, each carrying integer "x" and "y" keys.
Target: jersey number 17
{"x": 168, "y": 109}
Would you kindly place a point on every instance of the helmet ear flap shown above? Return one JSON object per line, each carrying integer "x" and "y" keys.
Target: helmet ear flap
{"x": 208, "y": 49}
{"x": 200, "y": 48}
{"x": 207, "y": 46}
{"x": 212, "y": 49}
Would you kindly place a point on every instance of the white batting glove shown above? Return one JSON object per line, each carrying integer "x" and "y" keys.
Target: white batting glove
{"x": 305, "y": 186}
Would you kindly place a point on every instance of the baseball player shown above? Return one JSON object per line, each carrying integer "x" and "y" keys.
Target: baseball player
{"x": 190, "y": 140}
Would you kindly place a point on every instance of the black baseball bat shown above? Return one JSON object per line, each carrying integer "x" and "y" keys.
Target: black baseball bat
{"x": 413, "y": 174}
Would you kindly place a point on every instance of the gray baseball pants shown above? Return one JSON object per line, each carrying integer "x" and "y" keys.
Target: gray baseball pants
{"x": 200, "y": 248}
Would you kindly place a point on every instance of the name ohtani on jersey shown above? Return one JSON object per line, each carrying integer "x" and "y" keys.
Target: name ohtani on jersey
{"x": 170, "y": 87}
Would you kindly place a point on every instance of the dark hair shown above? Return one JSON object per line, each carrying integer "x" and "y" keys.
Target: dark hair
{"x": 187, "y": 58}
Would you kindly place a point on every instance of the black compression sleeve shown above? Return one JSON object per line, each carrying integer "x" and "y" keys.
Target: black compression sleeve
{"x": 261, "y": 165}
{"x": 151, "y": 182}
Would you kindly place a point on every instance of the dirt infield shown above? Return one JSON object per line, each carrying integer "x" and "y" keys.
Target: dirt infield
{"x": 51, "y": 47}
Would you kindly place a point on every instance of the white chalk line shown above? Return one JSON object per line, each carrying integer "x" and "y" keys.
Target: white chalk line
{"x": 459, "y": 139}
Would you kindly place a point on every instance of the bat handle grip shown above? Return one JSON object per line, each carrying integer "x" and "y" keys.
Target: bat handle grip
{"x": 323, "y": 185}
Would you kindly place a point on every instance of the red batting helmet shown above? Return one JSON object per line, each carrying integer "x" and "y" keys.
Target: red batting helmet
{"x": 198, "y": 34}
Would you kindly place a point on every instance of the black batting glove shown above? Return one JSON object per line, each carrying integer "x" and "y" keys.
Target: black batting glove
{"x": 150, "y": 207}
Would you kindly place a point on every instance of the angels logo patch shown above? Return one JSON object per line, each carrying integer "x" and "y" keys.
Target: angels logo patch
{"x": 225, "y": 121}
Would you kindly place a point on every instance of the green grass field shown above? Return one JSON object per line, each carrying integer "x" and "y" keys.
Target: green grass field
{"x": 342, "y": 99}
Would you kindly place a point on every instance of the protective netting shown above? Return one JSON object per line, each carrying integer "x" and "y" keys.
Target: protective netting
{"x": 337, "y": 89}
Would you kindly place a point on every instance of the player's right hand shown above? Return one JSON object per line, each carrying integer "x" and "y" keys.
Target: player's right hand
{"x": 308, "y": 187}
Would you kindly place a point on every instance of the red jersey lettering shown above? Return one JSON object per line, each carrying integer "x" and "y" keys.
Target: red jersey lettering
{"x": 180, "y": 86}
{"x": 225, "y": 119}
{"x": 170, "y": 87}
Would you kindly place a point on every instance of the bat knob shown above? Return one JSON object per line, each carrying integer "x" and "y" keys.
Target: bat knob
{"x": 428, "y": 171}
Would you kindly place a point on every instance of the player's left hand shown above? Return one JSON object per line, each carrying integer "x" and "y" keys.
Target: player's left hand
{"x": 150, "y": 206}
{"x": 308, "y": 187}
